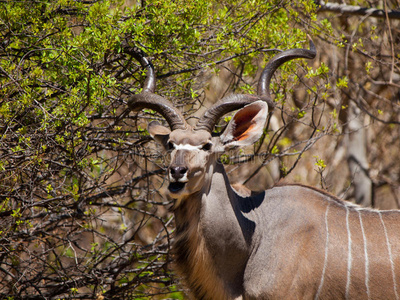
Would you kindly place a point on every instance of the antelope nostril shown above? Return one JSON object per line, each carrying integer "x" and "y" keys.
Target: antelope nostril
{"x": 178, "y": 172}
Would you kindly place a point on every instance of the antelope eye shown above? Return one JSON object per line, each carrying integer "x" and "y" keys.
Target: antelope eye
{"x": 207, "y": 147}
{"x": 170, "y": 146}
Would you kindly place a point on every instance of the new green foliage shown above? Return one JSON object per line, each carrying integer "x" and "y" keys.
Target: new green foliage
{"x": 74, "y": 165}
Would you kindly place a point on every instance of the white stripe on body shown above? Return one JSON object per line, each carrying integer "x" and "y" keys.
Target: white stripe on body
{"x": 326, "y": 252}
{"x": 365, "y": 255}
{"x": 390, "y": 256}
{"x": 356, "y": 208}
{"x": 349, "y": 257}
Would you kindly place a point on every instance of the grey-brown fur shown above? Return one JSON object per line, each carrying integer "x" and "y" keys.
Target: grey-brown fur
{"x": 289, "y": 242}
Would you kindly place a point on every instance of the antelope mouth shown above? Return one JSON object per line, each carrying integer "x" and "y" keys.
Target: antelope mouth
{"x": 175, "y": 187}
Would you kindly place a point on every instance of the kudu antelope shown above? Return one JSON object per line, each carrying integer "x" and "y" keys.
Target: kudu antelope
{"x": 288, "y": 242}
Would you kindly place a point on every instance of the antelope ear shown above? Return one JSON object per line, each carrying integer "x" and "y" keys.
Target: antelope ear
{"x": 246, "y": 126}
{"x": 158, "y": 132}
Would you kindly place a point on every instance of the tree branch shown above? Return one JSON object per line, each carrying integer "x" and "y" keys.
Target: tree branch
{"x": 357, "y": 10}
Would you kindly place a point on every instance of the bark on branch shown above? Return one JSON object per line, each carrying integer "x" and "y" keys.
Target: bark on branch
{"x": 357, "y": 10}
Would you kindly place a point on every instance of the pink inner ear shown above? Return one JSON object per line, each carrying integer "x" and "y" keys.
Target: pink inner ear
{"x": 244, "y": 121}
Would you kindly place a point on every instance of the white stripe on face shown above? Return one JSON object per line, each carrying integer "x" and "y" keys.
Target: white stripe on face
{"x": 187, "y": 147}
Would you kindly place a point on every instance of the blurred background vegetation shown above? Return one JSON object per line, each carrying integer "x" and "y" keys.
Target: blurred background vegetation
{"x": 81, "y": 208}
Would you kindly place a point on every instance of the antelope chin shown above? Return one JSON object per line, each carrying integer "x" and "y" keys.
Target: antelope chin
{"x": 175, "y": 187}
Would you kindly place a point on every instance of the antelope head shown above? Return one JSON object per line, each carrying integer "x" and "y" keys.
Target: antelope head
{"x": 195, "y": 150}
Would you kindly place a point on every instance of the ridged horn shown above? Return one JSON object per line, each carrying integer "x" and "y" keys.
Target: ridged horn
{"x": 222, "y": 107}
{"x": 276, "y": 61}
{"x": 147, "y": 98}
{"x": 237, "y": 101}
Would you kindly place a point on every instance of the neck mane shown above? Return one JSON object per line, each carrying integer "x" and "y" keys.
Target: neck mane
{"x": 192, "y": 257}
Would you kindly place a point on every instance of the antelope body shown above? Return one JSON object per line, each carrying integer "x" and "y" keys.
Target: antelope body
{"x": 288, "y": 242}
